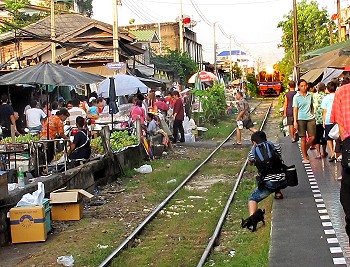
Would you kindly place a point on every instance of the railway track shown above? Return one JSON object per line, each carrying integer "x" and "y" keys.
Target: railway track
{"x": 158, "y": 211}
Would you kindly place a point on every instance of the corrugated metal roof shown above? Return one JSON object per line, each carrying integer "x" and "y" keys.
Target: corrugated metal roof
{"x": 233, "y": 53}
{"x": 65, "y": 24}
{"x": 146, "y": 35}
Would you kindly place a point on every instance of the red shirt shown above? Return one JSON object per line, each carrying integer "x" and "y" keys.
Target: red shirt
{"x": 341, "y": 109}
{"x": 179, "y": 110}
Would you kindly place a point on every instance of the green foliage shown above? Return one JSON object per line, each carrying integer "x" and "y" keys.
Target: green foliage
{"x": 213, "y": 101}
{"x": 19, "y": 19}
{"x": 253, "y": 89}
{"x": 313, "y": 32}
{"x": 237, "y": 71}
{"x": 179, "y": 63}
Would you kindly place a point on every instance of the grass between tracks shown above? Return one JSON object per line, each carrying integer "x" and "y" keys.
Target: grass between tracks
{"x": 191, "y": 220}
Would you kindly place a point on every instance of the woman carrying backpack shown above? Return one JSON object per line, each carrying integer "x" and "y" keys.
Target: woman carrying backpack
{"x": 267, "y": 158}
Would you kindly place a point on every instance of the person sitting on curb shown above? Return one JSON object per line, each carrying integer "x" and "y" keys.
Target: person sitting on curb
{"x": 271, "y": 178}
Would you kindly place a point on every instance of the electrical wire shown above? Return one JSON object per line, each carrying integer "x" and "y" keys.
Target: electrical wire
{"x": 144, "y": 10}
{"x": 132, "y": 7}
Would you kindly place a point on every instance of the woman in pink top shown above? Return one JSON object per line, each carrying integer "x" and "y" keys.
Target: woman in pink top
{"x": 137, "y": 112}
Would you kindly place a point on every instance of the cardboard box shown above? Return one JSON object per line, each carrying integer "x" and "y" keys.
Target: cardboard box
{"x": 28, "y": 224}
{"x": 67, "y": 205}
{"x": 3, "y": 185}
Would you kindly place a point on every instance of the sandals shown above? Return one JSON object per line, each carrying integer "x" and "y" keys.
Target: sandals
{"x": 318, "y": 157}
{"x": 278, "y": 195}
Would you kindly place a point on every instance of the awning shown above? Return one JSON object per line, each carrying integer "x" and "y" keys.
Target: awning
{"x": 338, "y": 58}
{"x": 328, "y": 48}
{"x": 330, "y": 73}
{"x": 312, "y": 75}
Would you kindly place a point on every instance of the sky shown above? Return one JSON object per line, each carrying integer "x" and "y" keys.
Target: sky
{"x": 252, "y": 23}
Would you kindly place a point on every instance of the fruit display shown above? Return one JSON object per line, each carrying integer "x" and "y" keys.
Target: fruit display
{"x": 26, "y": 138}
{"x": 121, "y": 139}
{"x": 96, "y": 146}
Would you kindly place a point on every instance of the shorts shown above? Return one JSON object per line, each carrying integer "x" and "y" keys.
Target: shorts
{"x": 308, "y": 126}
{"x": 268, "y": 188}
{"x": 248, "y": 124}
{"x": 290, "y": 120}
{"x": 327, "y": 130}
{"x": 320, "y": 139}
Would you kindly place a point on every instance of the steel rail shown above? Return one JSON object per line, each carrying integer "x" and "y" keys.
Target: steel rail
{"x": 221, "y": 221}
{"x": 155, "y": 211}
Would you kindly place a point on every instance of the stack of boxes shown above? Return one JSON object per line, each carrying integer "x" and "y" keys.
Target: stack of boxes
{"x": 32, "y": 223}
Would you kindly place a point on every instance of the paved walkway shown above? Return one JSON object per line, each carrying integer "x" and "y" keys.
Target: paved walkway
{"x": 308, "y": 224}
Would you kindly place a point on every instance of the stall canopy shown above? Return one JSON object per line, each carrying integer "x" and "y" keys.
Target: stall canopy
{"x": 312, "y": 75}
{"x": 329, "y": 74}
{"x": 50, "y": 74}
{"x": 123, "y": 84}
{"x": 338, "y": 58}
{"x": 328, "y": 48}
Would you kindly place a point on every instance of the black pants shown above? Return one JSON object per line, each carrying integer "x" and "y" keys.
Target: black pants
{"x": 176, "y": 128}
{"x": 345, "y": 186}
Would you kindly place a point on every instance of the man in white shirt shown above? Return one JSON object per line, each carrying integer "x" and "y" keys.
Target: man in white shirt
{"x": 34, "y": 117}
{"x": 74, "y": 112}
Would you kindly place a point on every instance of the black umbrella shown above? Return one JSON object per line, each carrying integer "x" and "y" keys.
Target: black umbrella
{"x": 112, "y": 97}
{"x": 50, "y": 74}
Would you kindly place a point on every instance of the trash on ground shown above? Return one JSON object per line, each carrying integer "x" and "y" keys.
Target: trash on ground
{"x": 36, "y": 198}
{"x": 232, "y": 253}
{"x": 144, "y": 169}
{"x": 66, "y": 260}
{"x": 102, "y": 246}
{"x": 171, "y": 181}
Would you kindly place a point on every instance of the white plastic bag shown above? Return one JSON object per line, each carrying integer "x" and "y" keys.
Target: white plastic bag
{"x": 334, "y": 132}
{"x": 144, "y": 169}
{"x": 66, "y": 260}
{"x": 34, "y": 199}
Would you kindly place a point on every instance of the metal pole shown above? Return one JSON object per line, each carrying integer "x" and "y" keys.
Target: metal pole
{"x": 115, "y": 31}
{"x": 215, "y": 66}
{"x": 339, "y": 21}
{"x": 231, "y": 58}
{"x": 295, "y": 37}
{"x": 181, "y": 29}
{"x": 53, "y": 33}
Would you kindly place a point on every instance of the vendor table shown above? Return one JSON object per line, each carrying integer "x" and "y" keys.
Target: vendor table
{"x": 9, "y": 152}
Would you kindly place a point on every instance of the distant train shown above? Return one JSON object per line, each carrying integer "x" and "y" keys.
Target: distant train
{"x": 270, "y": 83}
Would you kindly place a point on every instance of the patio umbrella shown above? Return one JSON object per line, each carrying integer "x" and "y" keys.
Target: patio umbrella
{"x": 204, "y": 76}
{"x": 112, "y": 97}
{"x": 50, "y": 74}
{"x": 123, "y": 84}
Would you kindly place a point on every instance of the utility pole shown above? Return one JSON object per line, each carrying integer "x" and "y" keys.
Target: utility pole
{"x": 295, "y": 38}
{"x": 53, "y": 33}
{"x": 115, "y": 31}
{"x": 215, "y": 65}
{"x": 181, "y": 30}
{"x": 231, "y": 58}
{"x": 339, "y": 21}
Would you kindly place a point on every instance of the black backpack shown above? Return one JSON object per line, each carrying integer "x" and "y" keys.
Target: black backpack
{"x": 267, "y": 159}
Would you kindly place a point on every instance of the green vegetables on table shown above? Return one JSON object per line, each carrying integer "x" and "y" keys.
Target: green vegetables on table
{"x": 122, "y": 139}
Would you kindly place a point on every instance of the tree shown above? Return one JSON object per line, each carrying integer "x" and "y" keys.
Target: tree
{"x": 84, "y": 6}
{"x": 313, "y": 32}
{"x": 18, "y": 18}
{"x": 237, "y": 71}
{"x": 179, "y": 63}
{"x": 252, "y": 87}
